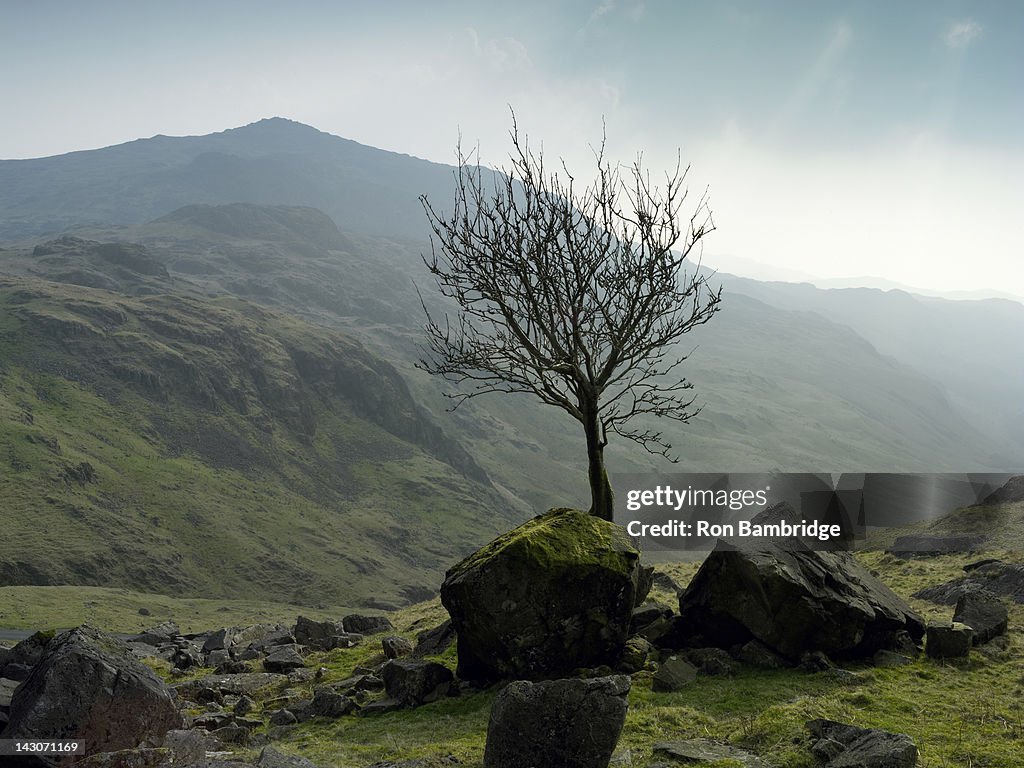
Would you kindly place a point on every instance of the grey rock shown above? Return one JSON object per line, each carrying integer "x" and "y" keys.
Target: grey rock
{"x": 434, "y": 642}
{"x": 232, "y": 734}
{"x": 998, "y": 578}
{"x": 367, "y": 625}
{"x": 316, "y": 634}
{"x": 556, "y": 723}
{"x": 249, "y": 682}
{"x": 273, "y": 758}
{"x": 141, "y": 757}
{"x": 88, "y": 685}
{"x": 395, "y": 647}
{"x": 984, "y": 613}
{"x": 329, "y": 703}
{"x": 700, "y": 751}
{"x": 380, "y": 707}
{"x": 414, "y": 682}
{"x": 243, "y": 706}
{"x": 759, "y": 655}
{"x": 673, "y": 674}
{"x": 711, "y": 661}
{"x": 283, "y": 658}
{"x": 646, "y": 613}
{"x": 948, "y": 640}
{"x": 162, "y": 633}
{"x": 283, "y": 717}
{"x": 793, "y": 601}
{"x": 862, "y": 747}
{"x": 222, "y": 639}
{"x": 890, "y": 659}
{"x": 189, "y": 746}
{"x": 927, "y": 545}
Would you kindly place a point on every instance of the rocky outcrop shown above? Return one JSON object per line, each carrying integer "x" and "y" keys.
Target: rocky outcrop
{"x": 88, "y": 685}
{"x": 412, "y": 683}
{"x": 556, "y": 723}
{"x": 551, "y": 596}
{"x": 792, "y": 601}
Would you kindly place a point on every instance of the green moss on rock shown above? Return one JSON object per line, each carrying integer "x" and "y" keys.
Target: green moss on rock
{"x": 545, "y": 599}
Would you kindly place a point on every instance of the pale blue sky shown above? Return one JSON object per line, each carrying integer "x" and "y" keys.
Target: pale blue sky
{"x": 838, "y": 139}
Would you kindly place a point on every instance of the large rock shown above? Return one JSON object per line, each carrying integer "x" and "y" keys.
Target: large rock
{"x": 549, "y": 597}
{"x": 556, "y": 723}
{"x": 793, "y": 601}
{"x": 89, "y": 686}
{"x": 317, "y": 634}
{"x": 950, "y": 640}
{"x": 367, "y": 625}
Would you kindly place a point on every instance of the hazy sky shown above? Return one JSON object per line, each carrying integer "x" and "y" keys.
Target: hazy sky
{"x": 838, "y": 138}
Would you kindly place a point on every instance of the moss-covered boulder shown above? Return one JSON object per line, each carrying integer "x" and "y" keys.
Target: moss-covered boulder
{"x": 547, "y": 598}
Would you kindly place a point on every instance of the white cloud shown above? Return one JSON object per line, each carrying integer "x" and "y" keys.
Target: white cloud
{"x": 962, "y": 33}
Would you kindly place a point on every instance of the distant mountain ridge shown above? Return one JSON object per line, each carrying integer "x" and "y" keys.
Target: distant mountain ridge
{"x": 272, "y": 162}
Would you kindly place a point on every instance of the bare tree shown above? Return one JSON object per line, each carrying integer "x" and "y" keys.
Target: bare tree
{"x": 576, "y": 297}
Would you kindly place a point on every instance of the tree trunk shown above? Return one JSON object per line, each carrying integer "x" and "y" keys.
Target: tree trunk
{"x": 601, "y": 499}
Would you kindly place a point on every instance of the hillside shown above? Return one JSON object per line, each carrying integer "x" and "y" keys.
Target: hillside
{"x": 212, "y": 448}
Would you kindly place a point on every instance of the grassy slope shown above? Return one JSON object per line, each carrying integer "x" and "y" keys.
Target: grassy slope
{"x": 233, "y": 454}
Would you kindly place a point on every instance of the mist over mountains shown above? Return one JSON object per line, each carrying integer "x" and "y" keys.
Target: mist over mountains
{"x": 255, "y": 289}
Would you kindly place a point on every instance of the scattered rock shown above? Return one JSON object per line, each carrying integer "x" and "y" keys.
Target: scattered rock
{"x": 165, "y": 632}
{"x": 329, "y": 703}
{"x": 272, "y": 758}
{"x": 984, "y": 613}
{"x": 565, "y": 723}
{"x": 815, "y": 661}
{"x": 711, "y": 661}
{"x": 89, "y": 686}
{"x": 699, "y": 751}
{"x": 141, "y": 757}
{"x": 219, "y": 640}
{"x": 513, "y": 613}
{"x": 434, "y": 642}
{"x": 759, "y": 655}
{"x": 367, "y": 625}
{"x": 666, "y": 582}
{"x": 995, "y": 576}
{"x": 317, "y": 634}
{"x": 243, "y": 706}
{"x": 948, "y": 640}
{"x": 412, "y": 683}
{"x": 886, "y": 658}
{"x": 634, "y": 655}
{"x": 395, "y": 647}
{"x": 647, "y": 613}
{"x": 230, "y": 684}
{"x": 283, "y": 717}
{"x": 380, "y": 707}
{"x": 673, "y": 674}
{"x": 190, "y": 746}
{"x": 283, "y": 658}
{"x": 861, "y": 747}
{"x": 793, "y": 601}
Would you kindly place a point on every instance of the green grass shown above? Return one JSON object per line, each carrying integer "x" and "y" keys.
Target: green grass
{"x": 966, "y": 713}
